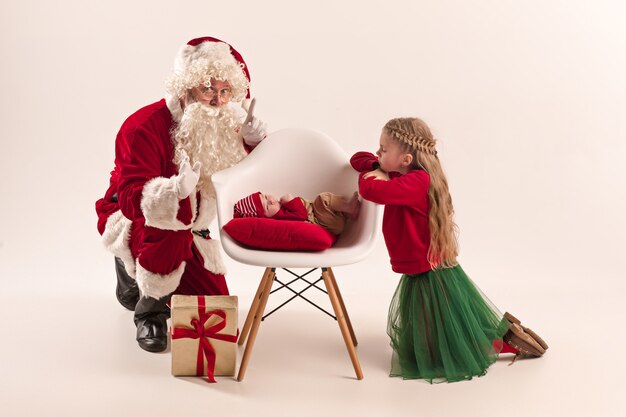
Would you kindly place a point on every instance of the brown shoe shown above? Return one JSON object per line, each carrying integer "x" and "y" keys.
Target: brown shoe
{"x": 511, "y": 318}
{"x": 523, "y": 342}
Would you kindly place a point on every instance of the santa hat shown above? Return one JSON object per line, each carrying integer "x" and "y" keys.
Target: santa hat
{"x": 250, "y": 206}
{"x": 204, "y": 58}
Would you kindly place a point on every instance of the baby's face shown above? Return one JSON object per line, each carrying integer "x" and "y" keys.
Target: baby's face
{"x": 270, "y": 204}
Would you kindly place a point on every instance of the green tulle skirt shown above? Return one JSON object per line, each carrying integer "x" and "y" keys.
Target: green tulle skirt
{"x": 442, "y": 328}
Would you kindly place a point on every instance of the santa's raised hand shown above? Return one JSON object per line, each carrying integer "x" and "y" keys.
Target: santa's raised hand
{"x": 253, "y": 129}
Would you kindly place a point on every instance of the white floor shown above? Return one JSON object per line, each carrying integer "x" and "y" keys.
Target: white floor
{"x": 71, "y": 355}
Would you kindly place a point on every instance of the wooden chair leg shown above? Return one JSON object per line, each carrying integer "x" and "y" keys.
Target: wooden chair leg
{"x": 255, "y": 323}
{"x": 253, "y": 308}
{"x": 341, "y": 320}
{"x": 343, "y": 306}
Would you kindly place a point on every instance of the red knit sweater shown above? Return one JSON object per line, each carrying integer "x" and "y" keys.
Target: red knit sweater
{"x": 294, "y": 209}
{"x": 405, "y": 220}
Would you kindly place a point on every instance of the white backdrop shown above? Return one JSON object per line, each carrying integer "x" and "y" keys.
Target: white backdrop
{"x": 527, "y": 100}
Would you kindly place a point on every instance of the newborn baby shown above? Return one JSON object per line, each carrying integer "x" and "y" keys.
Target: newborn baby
{"x": 328, "y": 210}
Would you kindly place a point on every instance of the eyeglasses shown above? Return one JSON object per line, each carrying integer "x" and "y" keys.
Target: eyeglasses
{"x": 210, "y": 92}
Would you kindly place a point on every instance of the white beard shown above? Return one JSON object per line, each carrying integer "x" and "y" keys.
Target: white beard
{"x": 208, "y": 135}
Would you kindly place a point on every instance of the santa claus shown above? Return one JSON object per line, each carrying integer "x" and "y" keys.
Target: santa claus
{"x": 155, "y": 215}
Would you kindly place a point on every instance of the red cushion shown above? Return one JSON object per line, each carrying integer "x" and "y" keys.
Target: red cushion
{"x": 264, "y": 233}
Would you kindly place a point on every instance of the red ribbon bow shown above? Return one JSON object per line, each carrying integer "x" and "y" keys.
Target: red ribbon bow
{"x": 205, "y": 349}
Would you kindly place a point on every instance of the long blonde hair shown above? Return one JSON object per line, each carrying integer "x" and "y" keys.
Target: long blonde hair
{"x": 414, "y": 137}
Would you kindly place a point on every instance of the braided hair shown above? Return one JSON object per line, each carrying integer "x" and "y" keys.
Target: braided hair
{"x": 414, "y": 137}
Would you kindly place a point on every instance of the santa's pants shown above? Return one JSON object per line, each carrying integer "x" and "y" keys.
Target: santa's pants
{"x": 212, "y": 285}
{"x": 162, "y": 252}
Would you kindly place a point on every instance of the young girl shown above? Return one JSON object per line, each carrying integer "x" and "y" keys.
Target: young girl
{"x": 442, "y": 328}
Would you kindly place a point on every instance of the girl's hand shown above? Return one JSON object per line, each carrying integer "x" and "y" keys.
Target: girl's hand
{"x": 378, "y": 174}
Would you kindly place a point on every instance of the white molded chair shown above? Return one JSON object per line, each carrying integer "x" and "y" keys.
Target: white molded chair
{"x": 302, "y": 162}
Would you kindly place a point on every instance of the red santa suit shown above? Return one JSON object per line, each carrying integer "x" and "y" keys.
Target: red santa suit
{"x": 163, "y": 241}
{"x": 148, "y": 227}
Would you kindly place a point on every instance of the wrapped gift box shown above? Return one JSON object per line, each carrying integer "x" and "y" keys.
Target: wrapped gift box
{"x": 204, "y": 335}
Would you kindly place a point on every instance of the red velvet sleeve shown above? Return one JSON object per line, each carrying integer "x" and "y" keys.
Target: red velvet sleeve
{"x": 247, "y": 147}
{"x": 408, "y": 189}
{"x": 142, "y": 162}
{"x": 364, "y": 161}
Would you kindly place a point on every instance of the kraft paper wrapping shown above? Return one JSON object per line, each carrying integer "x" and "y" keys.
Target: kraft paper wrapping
{"x": 185, "y": 350}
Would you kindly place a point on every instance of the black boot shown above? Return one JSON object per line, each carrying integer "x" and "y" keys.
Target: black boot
{"x": 126, "y": 291}
{"x": 151, "y": 320}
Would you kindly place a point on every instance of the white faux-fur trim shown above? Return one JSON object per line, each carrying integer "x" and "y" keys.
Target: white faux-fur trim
{"x": 173, "y": 105}
{"x": 210, "y": 251}
{"x": 160, "y": 204}
{"x": 158, "y": 285}
{"x": 116, "y": 238}
{"x": 206, "y": 212}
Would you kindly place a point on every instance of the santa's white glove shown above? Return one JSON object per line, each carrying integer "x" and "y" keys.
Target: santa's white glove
{"x": 187, "y": 178}
{"x": 253, "y": 129}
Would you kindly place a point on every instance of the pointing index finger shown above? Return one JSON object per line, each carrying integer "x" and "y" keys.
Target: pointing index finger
{"x": 250, "y": 112}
